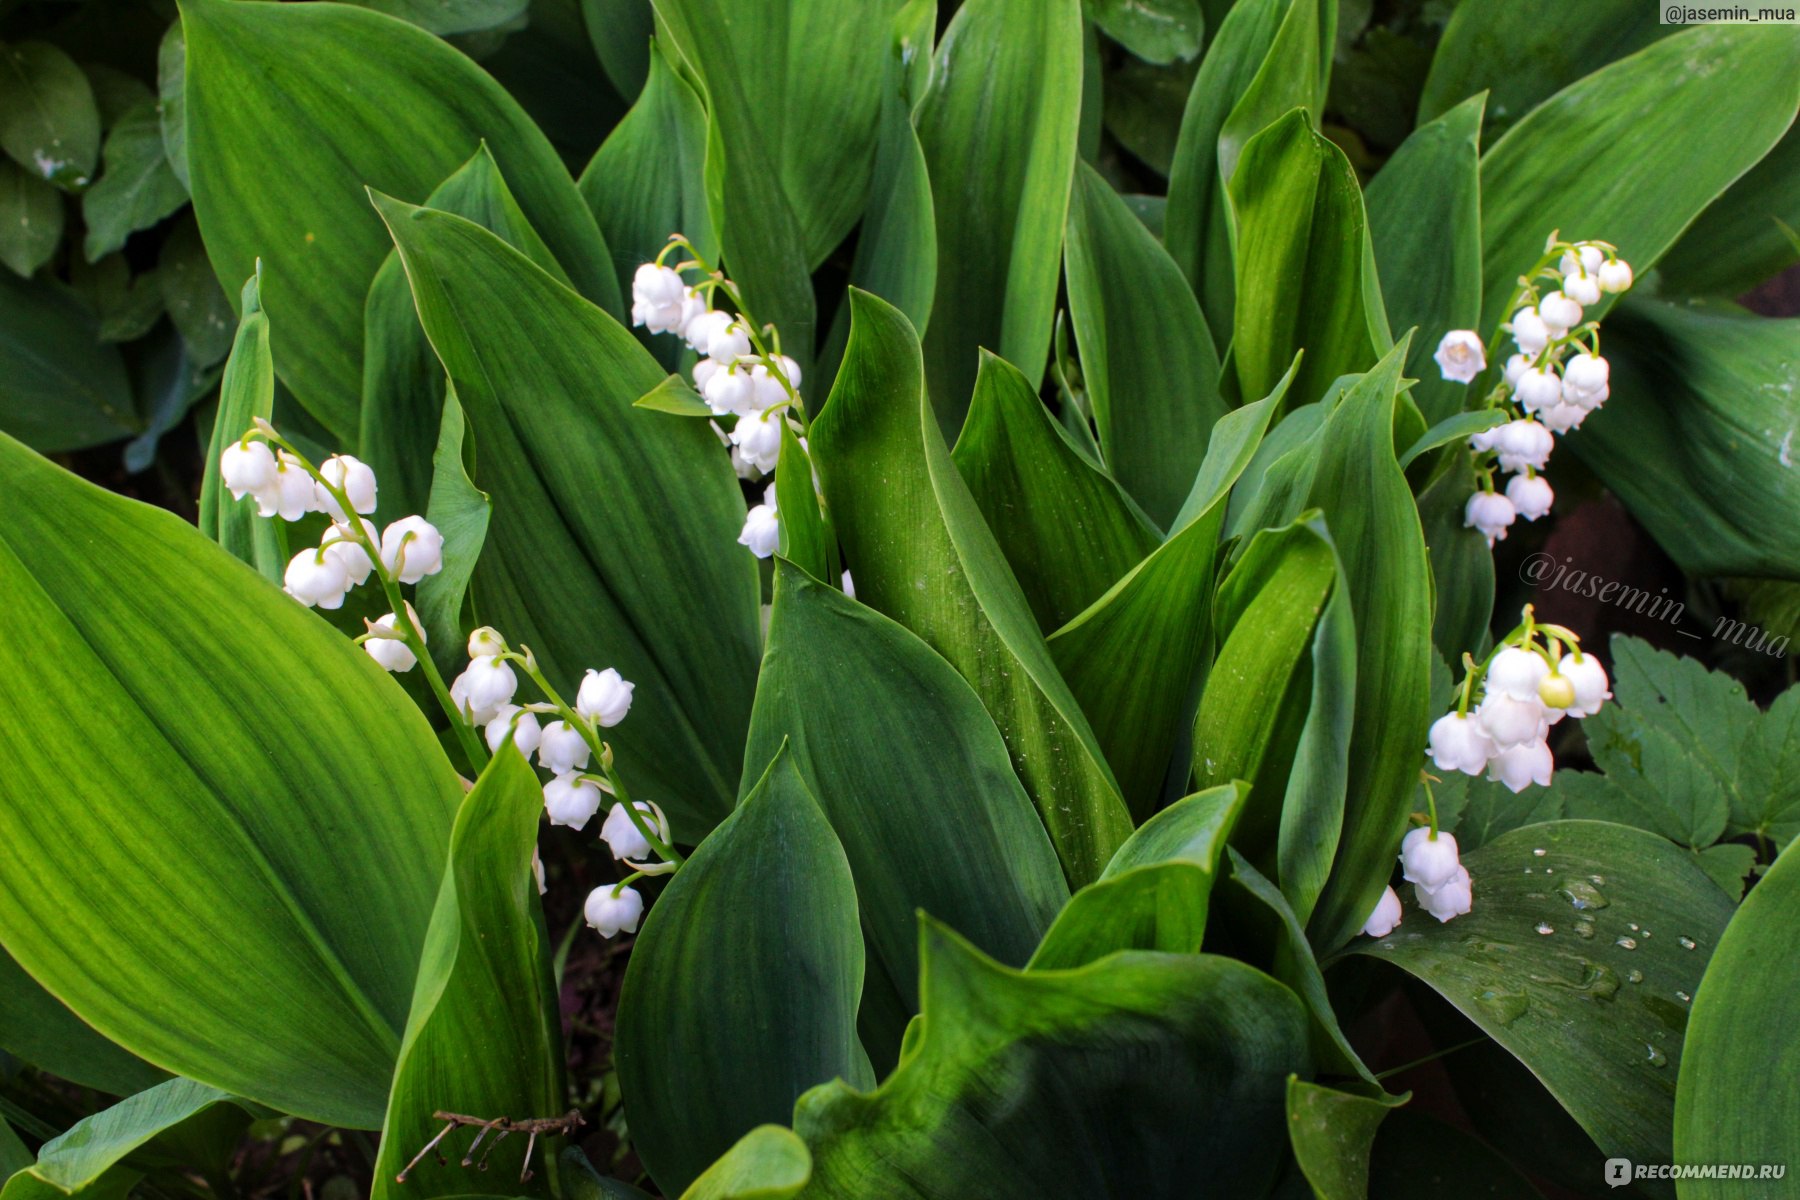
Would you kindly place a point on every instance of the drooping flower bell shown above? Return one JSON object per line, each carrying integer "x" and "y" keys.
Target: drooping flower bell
{"x": 391, "y": 652}
{"x": 1460, "y": 355}
{"x": 1453, "y": 898}
{"x": 1521, "y": 765}
{"x": 350, "y": 475}
{"x": 762, "y": 528}
{"x": 611, "y": 911}
{"x": 247, "y": 468}
{"x": 524, "y": 727}
{"x": 412, "y": 548}
{"x": 316, "y": 578}
{"x": 1590, "y": 681}
{"x": 1490, "y": 514}
{"x": 1458, "y": 743}
{"x": 487, "y": 683}
{"x": 571, "y": 800}
{"x": 621, "y": 834}
{"x": 1531, "y": 495}
{"x": 1386, "y": 915}
{"x": 1427, "y": 860}
{"x": 562, "y": 749}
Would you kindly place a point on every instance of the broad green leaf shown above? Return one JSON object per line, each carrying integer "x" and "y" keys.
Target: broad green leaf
{"x": 1521, "y": 54}
{"x": 1158, "y": 31}
{"x": 60, "y": 389}
{"x": 1154, "y": 893}
{"x": 115, "y": 92}
{"x": 281, "y": 149}
{"x": 1744, "y": 237}
{"x": 31, "y": 219}
{"x": 270, "y": 854}
{"x": 1147, "y": 358}
{"x": 403, "y": 382}
{"x": 1375, "y": 526}
{"x": 1648, "y": 166}
{"x": 1039, "y": 1086}
{"x": 1143, "y": 114}
{"x": 648, "y": 180}
{"x": 620, "y": 31}
{"x": 1305, "y": 267}
{"x": 14, "y": 1157}
{"x": 484, "y": 1034}
{"x": 762, "y": 923}
{"x": 579, "y": 1181}
{"x": 999, "y": 128}
{"x": 1067, "y": 529}
{"x": 921, "y": 554}
{"x": 613, "y": 539}
{"x": 171, "y": 98}
{"x": 1581, "y": 961}
{"x": 1425, "y": 222}
{"x": 1418, "y": 1158}
{"x": 246, "y": 392}
{"x": 1264, "y": 61}
{"x": 78, "y": 1159}
{"x": 805, "y": 539}
{"x": 461, "y": 511}
{"x": 1737, "y": 1046}
{"x": 137, "y": 187}
{"x": 127, "y": 307}
{"x": 1704, "y": 412}
{"x": 196, "y": 303}
{"x": 451, "y": 16}
{"x": 39, "y": 1029}
{"x": 768, "y": 1163}
{"x": 1484, "y": 810}
{"x": 1332, "y": 1134}
{"x": 49, "y": 122}
{"x": 949, "y": 831}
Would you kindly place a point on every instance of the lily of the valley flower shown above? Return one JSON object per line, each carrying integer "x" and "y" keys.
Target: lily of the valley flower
{"x": 1531, "y": 495}
{"x": 353, "y": 477}
{"x": 604, "y": 698}
{"x": 611, "y": 911}
{"x": 622, "y": 836}
{"x": 1458, "y": 743}
{"x": 391, "y": 652}
{"x": 1428, "y": 858}
{"x": 762, "y": 528}
{"x": 1386, "y": 916}
{"x": 411, "y": 549}
{"x": 314, "y": 577}
{"x": 1460, "y": 355}
{"x": 562, "y": 749}
{"x": 1453, "y": 898}
{"x": 487, "y": 683}
{"x": 523, "y": 725}
{"x": 1490, "y": 514}
{"x": 571, "y": 800}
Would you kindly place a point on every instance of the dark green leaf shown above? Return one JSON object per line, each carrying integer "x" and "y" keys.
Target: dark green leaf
{"x": 91, "y": 1148}
{"x": 1487, "y": 809}
{"x": 197, "y": 305}
{"x": 60, "y": 389}
{"x": 461, "y": 512}
{"x": 292, "y": 110}
{"x": 652, "y": 564}
{"x": 483, "y": 1035}
{"x": 950, "y": 831}
{"x": 1332, "y": 1134}
{"x": 675, "y": 396}
{"x": 999, "y": 129}
{"x": 805, "y": 540}
{"x": 1157, "y": 31}
{"x": 49, "y": 122}
{"x": 1147, "y": 358}
{"x": 768, "y": 1163}
{"x": 1581, "y": 961}
{"x": 921, "y": 553}
{"x": 31, "y": 219}
{"x": 1143, "y": 114}
{"x": 1768, "y": 801}
{"x": 39, "y": 1029}
{"x": 136, "y": 189}
{"x": 270, "y": 853}
{"x": 171, "y": 98}
{"x": 127, "y": 307}
{"x": 762, "y": 921}
{"x": 620, "y": 31}
{"x": 1744, "y": 237}
{"x": 451, "y": 16}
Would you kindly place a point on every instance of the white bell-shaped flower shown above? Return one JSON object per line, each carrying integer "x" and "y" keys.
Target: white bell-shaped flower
{"x": 1521, "y": 444}
{"x": 1516, "y": 365}
{"x": 701, "y": 327}
{"x": 316, "y": 578}
{"x": 731, "y": 342}
{"x": 1584, "y": 259}
{"x": 1428, "y": 861}
{"x": 1516, "y": 672}
{"x": 1509, "y": 722}
{"x": 412, "y": 548}
{"x": 1531, "y": 495}
{"x": 354, "y": 477}
{"x": 1490, "y": 513}
{"x": 392, "y": 653}
{"x": 1582, "y": 289}
{"x": 848, "y": 585}
{"x": 247, "y": 468}
{"x": 621, "y": 834}
{"x": 769, "y": 392}
{"x": 1460, "y": 355}
{"x": 1590, "y": 681}
{"x": 757, "y": 436}
{"x": 731, "y": 391}
{"x": 1454, "y": 898}
{"x": 485, "y": 641}
{"x": 658, "y": 285}
{"x": 604, "y": 698}
{"x": 1458, "y": 743}
{"x": 1563, "y": 417}
{"x": 523, "y": 725}
{"x": 1530, "y": 333}
{"x": 1560, "y": 313}
{"x": 1386, "y": 916}
{"x": 292, "y": 495}
{"x": 1585, "y": 373}
{"x": 339, "y": 544}
{"x": 762, "y": 531}
{"x": 571, "y": 800}
{"x": 487, "y": 683}
{"x": 1518, "y": 767}
{"x": 610, "y": 912}
{"x": 562, "y": 749}
{"x": 704, "y": 370}
{"x": 1538, "y": 389}
{"x": 1615, "y": 276}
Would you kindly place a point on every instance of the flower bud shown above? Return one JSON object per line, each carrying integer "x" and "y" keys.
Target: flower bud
{"x": 1530, "y": 332}
{"x": 1559, "y": 312}
{"x": 604, "y": 698}
{"x": 392, "y": 653}
{"x": 292, "y": 495}
{"x": 1490, "y": 513}
{"x": 412, "y": 548}
{"x": 571, "y": 800}
{"x": 621, "y": 834}
{"x": 1426, "y": 860}
{"x": 1582, "y": 289}
{"x": 1386, "y": 916}
{"x": 562, "y": 749}
{"x": 1584, "y": 259}
{"x": 1615, "y": 276}
{"x": 315, "y": 578}
{"x": 1589, "y": 679}
{"x": 1460, "y": 355}
{"x": 611, "y": 912}
{"x": 1556, "y": 691}
{"x": 486, "y": 641}
{"x": 524, "y": 727}
{"x": 758, "y": 436}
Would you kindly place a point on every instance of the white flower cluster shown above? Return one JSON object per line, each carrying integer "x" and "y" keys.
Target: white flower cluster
{"x": 1429, "y": 860}
{"x": 755, "y": 388}
{"x": 285, "y": 485}
{"x": 1525, "y": 690}
{"x": 1545, "y": 394}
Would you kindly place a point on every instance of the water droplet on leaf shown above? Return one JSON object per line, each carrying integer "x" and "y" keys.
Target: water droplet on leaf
{"x": 1657, "y": 1058}
{"x": 1501, "y": 1004}
{"x": 1626, "y": 943}
{"x": 1545, "y": 928}
{"x": 1582, "y": 895}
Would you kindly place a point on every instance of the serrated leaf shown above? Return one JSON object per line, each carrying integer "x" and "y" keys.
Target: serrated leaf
{"x": 1768, "y": 801}
{"x": 1489, "y": 809}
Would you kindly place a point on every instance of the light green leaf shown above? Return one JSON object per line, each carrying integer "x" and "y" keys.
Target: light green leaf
{"x": 1067, "y": 529}
{"x": 1648, "y": 166}
{"x": 49, "y": 121}
{"x": 39, "y": 1029}
{"x": 1158, "y": 31}
{"x": 31, "y": 219}
{"x": 245, "y": 393}
{"x": 1147, "y": 359}
{"x": 1154, "y": 893}
{"x": 281, "y": 148}
{"x": 1305, "y": 268}
{"x": 675, "y": 396}
{"x": 768, "y": 1163}
{"x": 461, "y": 512}
{"x": 951, "y": 832}
{"x": 1580, "y": 961}
{"x": 1332, "y": 1134}
{"x": 762, "y": 922}
{"x": 665, "y": 593}
{"x": 921, "y": 553}
{"x": 1737, "y": 1045}
{"x": 60, "y": 388}
{"x": 1701, "y": 443}
{"x": 79, "y": 1158}
{"x": 137, "y": 187}
{"x": 805, "y": 539}
{"x": 484, "y": 1034}
{"x": 171, "y": 98}
{"x": 283, "y": 968}
{"x": 1743, "y": 238}
{"x": 1068, "y": 1050}
{"x": 648, "y": 180}
{"x": 1425, "y": 222}
{"x": 999, "y": 128}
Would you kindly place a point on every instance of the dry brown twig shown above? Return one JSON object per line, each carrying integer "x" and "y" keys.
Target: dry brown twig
{"x": 534, "y": 1127}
